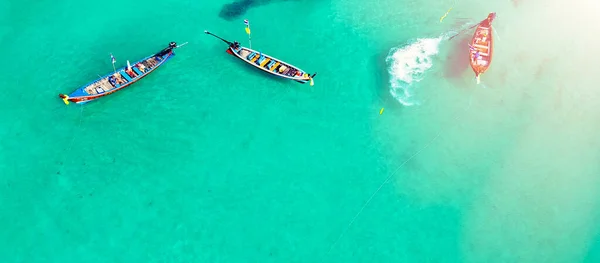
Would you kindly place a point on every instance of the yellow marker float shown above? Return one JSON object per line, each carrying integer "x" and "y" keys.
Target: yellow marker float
{"x": 381, "y": 111}
{"x": 444, "y": 16}
{"x": 64, "y": 98}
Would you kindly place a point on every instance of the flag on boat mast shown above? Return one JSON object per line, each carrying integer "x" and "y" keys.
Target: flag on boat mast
{"x": 247, "y": 26}
{"x": 247, "y": 23}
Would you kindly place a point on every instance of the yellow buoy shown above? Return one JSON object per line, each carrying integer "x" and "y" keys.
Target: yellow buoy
{"x": 444, "y": 16}
{"x": 381, "y": 111}
{"x": 65, "y": 99}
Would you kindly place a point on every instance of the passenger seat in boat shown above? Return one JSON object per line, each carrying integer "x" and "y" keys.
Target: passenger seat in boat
{"x": 244, "y": 53}
{"x": 131, "y": 73}
{"x": 138, "y": 71}
{"x": 283, "y": 69}
{"x": 261, "y": 62}
{"x": 125, "y": 76}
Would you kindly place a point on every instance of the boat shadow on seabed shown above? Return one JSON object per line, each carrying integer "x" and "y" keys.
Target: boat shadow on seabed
{"x": 457, "y": 62}
{"x": 237, "y": 8}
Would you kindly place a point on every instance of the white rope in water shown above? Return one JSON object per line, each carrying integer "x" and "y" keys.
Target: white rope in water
{"x": 494, "y": 30}
{"x": 390, "y": 177}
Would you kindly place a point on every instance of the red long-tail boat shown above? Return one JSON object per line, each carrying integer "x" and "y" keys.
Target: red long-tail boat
{"x": 482, "y": 46}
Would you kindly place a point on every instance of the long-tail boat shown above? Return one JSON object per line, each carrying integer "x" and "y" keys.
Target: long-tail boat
{"x": 482, "y": 46}
{"x": 120, "y": 78}
{"x": 267, "y": 63}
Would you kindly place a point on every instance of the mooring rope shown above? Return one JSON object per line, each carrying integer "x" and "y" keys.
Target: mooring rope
{"x": 62, "y": 164}
{"x": 387, "y": 179}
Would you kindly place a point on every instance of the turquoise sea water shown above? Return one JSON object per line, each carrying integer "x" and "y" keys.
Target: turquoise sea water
{"x": 209, "y": 160}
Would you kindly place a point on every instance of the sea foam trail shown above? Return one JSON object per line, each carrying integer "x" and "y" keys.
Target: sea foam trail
{"x": 408, "y": 64}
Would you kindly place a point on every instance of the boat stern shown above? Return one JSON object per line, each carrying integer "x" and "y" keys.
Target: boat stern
{"x": 306, "y": 78}
{"x": 167, "y": 50}
{"x": 75, "y": 99}
{"x": 311, "y": 78}
{"x": 65, "y": 98}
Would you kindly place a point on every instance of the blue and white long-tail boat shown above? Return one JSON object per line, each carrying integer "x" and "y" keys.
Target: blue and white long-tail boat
{"x": 267, "y": 63}
{"x": 120, "y": 78}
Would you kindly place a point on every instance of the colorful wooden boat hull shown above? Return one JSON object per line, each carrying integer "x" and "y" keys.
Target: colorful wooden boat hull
{"x": 482, "y": 47}
{"x": 120, "y": 79}
{"x": 265, "y": 62}
{"x": 269, "y": 64}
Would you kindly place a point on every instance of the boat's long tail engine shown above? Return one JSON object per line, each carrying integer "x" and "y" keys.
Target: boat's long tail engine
{"x": 168, "y": 49}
